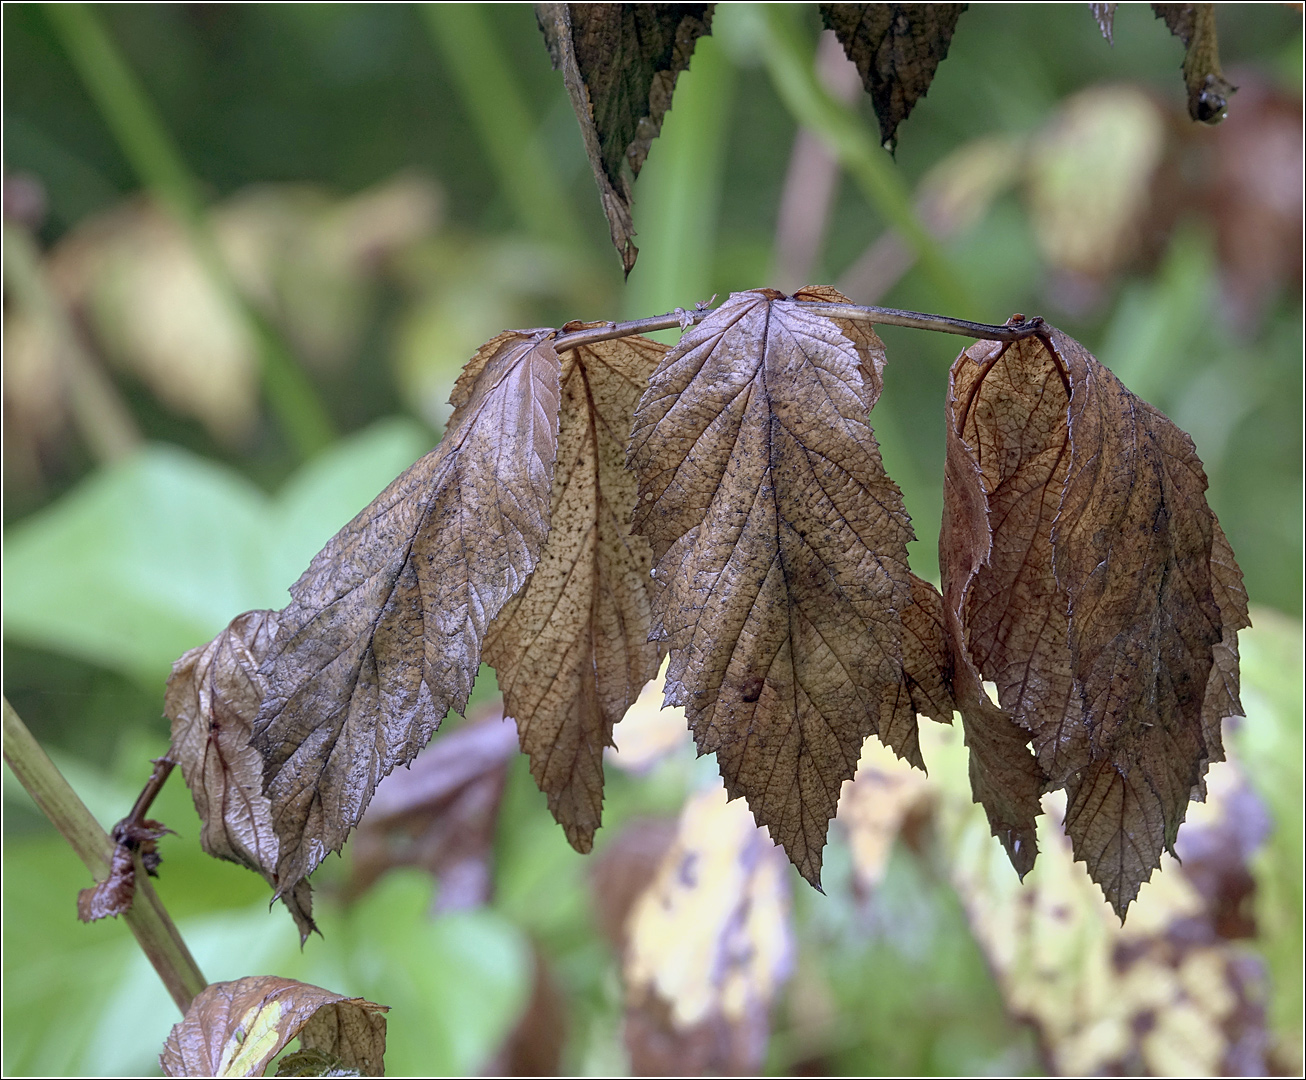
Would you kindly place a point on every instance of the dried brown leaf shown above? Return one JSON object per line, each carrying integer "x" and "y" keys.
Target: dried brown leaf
{"x": 571, "y": 650}
{"x": 1079, "y": 564}
{"x": 237, "y": 1028}
{"x": 780, "y": 552}
{"x": 113, "y": 895}
{"x": 383, "y": 635}
{"x": 1105, "y": 16}
{"x": 897, "y": 48}
{"x": 1208, "y": 89}
{"x": 620, "y": 63}
{"x": 214, "y": 694}
{"x": 440, "y": 814}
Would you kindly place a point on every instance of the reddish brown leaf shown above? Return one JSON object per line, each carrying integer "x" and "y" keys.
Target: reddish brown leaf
{"x": 620, "y": 63}
{"x": 213, "y": 696}
{"x": 237, "y": 1028}
{"x": 571, "y": 650}
{"x": 780, "y": 552}
{"x": 897, "y": 48}
{"x": 440, "y": 814}
{"x": 113, "y": 895}
{"x": 383, "y": 635}
{"x": 1079, "y": 565}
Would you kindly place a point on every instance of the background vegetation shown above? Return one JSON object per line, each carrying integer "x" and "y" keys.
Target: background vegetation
{"x": 389, "y": 187}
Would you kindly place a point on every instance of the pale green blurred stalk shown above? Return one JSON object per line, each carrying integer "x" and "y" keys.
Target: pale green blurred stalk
{"x": 678, "y": 194}
{"x": 147, "y": 918}
{"x": 492, "y": 95}
{"x": 154, "y": 156}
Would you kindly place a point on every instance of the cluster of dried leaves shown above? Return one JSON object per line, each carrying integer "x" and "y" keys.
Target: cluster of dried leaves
{"x": 620, "y": 63}
{"x": 757, "y": 539}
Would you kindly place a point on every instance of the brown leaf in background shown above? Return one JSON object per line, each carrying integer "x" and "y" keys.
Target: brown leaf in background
{"x": 708, "y": 946}
{"x": 620, "y": 63}
{"x": 571, "y": 650}
{"x": 440, "y": 814}
{"x": 237, "y": 1028}
{"x": 1208, "y": 89}
{"x": 780, "y": 552}
{"x": 213, "y": 696}
{"x": 383, "y": 635}
{"x": 1079, "y": 566}
{"x": 896, "y": 48}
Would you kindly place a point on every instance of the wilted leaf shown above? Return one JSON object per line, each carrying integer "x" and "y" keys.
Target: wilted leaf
{"x": 214, "y": 694}
{"x": 571, "y": 650}
{"x": 896, "y": 48}
{"x": 114, "y": 894}
{"x": 780, "y": 552}
{"x": 1208, "y": 89}
{"x": 237, "y": 1028}
{"x": 1077, "y": 554}
{"x": 620, "y": 63}
{"x": 440, "y": 814}
{"x": 708, "y": 947}
{"x": 383, "y": 635}
{"x": 1105, "y": 14}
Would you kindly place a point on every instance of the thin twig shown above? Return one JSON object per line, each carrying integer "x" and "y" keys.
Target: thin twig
{"x": 147, "y": 918}
{"x": 162, "y": 770}
{"x": 1018, "y": 327}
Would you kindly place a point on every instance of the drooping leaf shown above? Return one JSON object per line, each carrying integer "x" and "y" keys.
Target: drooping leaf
{"x": 620, "y": 63}
{"x": 1105, "y": 15}
{"x": 780, "y": 555}
{"x": 1080, "y": 576}
{"x": 237, "y": 1028}
{"x": 383, "y": 635}
{"x": 571, "y": 650}
{"x": 897, "y": 48}
{"x": 1208, "y": 89}
{"x": 708, "y": 946}
{"x": 214, "y": 694}
{"x": 440, "y": 814}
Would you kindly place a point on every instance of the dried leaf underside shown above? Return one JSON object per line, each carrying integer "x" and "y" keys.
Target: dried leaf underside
{"x": 620, "y": 63}
{"x": 384, "y": 632}
{"x": 237, "y": 1028}
{"x": 571, "y": 651}
{"x": 780, "y": 557}
{"x": 213, "y": 697}
{"x": 897, "y": 48}
{"x": 1085, "y": 576}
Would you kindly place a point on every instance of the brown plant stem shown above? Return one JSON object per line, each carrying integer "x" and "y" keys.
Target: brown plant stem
{"x": 1015, "y": 329}
{"x": 163, "y": 767}
{"x": 147, "y": 918}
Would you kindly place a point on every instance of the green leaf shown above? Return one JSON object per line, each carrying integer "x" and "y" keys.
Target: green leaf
{"x": 155, "y": 554}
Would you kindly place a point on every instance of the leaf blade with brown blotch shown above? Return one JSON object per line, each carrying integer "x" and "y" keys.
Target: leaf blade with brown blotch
{"x": 897, "y": 48}
{"x": 780, "y": 551}
{"x": 383, "y": 635}
{"x": 620, "y": 63}
{"x": 237, "y": 1028}
{"x": 213, "y": 697}
{"x": 571, "y": 650}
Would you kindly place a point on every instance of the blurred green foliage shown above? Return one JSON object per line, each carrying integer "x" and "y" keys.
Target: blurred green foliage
{"x": 112, "y": 570}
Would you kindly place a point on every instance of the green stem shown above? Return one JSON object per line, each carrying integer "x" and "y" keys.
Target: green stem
{"x": 492, "y": 96}
{"x": 793, "y": 73}
{"x": 147, "y": 918}
{"x": 158, "y": 163}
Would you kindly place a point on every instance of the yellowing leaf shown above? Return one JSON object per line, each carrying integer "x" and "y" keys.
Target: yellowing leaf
{"x": 237, "y": 1028}
{"x": 383, "y": 635}
{"x": 571, "y": 650}
{"x": 780, "y": 552}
